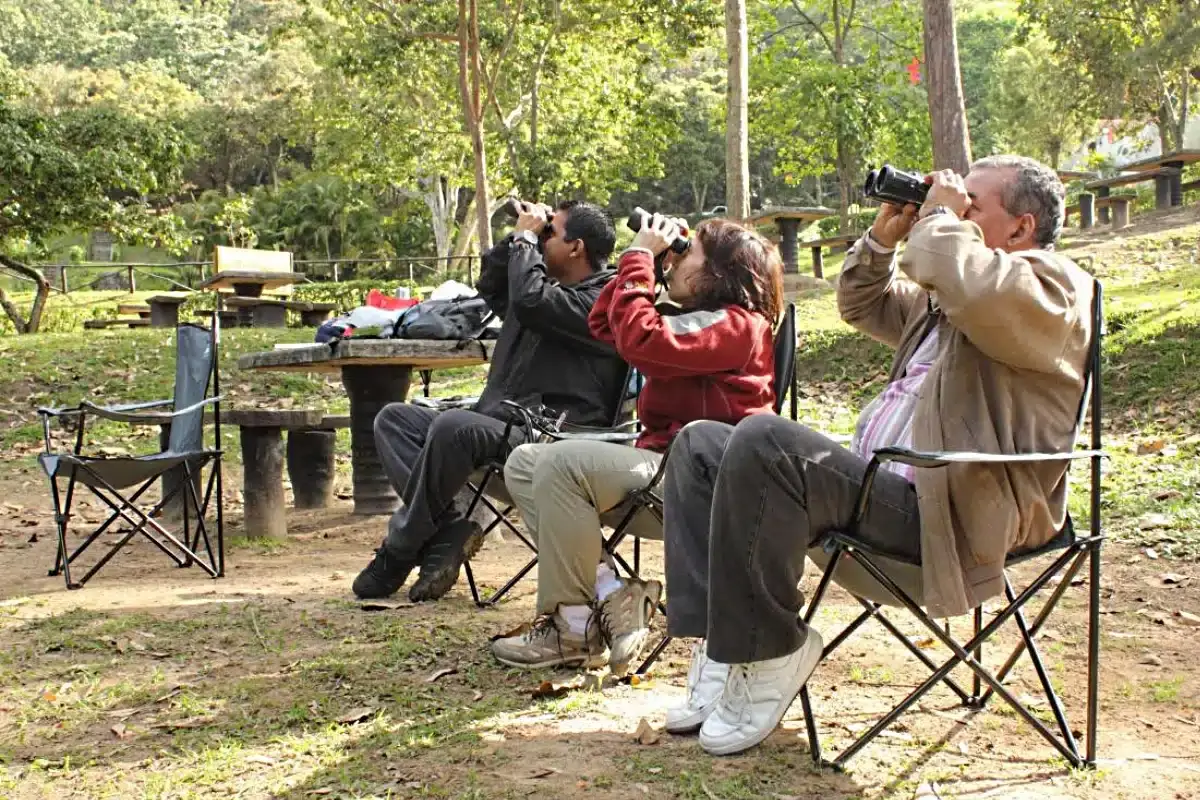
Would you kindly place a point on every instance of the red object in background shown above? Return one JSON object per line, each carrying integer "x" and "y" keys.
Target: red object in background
{"x": 914, "y": 71}
{"x": 377, "y": 299}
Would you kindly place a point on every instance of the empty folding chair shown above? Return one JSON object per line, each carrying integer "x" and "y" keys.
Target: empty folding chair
{"x": 120, "y": 482}
{"x": 878, "y": 579}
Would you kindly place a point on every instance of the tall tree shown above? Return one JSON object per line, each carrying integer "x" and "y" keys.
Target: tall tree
{"x": 947, "y": 112}
{"x": 737, "y": 123}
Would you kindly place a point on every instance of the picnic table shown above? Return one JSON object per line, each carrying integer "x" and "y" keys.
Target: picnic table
{"x": 250, "y": 283}
{"x": 1168, "y": 186}
{"x": 788, "y": 219}
{"x": 374, "y": 372}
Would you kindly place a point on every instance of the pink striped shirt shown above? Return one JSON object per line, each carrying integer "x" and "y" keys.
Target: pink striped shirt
{"x": 887, "y": 420}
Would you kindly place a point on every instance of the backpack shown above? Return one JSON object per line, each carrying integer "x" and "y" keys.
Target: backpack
{"x": 459, "y": 319}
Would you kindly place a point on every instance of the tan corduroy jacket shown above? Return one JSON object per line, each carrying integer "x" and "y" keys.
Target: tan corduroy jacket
{"x": 1012, "y": 344}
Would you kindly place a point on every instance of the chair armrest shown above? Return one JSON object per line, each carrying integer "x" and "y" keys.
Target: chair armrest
{"x": 79, "y": 409}
{"x": 130, "y": 415}
{"x": 443, "y": 403}
{"x": 921, "y": 459}
{"x": 71, "y": 411}
{"x": 594, "y": 436}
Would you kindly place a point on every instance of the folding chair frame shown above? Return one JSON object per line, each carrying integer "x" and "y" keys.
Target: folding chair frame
{"x": 1075, "y": 552}
{"x": 122, "y": 507}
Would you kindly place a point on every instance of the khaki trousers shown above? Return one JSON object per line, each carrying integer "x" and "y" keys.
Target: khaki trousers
{"x": 562, "y": 489}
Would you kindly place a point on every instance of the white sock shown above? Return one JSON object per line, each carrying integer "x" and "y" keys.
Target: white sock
{"x": 576, "y": 617}
{"x": 607, "y": 581}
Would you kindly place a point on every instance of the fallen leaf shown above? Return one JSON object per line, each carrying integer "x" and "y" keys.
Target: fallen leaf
{"x": 1151, "y": 660}
{"x": 517, "y": 631}
{"x": 646, "y": 734}
{"x": 546, "y": 689}
{"x": 322, "y": 790}
{"x": 384, "y": 605}
{"x": 441, "y": 673}
{"x": 119, "y": 731}
{"x": 1168, "y": 494}
{"x": 49, "y": 696}
{"x": 356, "y": 715}
{"x": 1151, "y": 447}
{"x": 1150, "y": 522}
{"x": 478, "y": 696}
{"x": 1172, "y": 579}
{"x": 925, "y": 643}
{"x": 257, "y": 759}
{"x": 962, "y": 748}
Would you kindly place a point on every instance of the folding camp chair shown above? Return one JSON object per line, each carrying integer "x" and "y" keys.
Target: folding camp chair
{"x": 877, "y": 579}
{"x": 182, "y": 465}
{"x": 487, "y": 485}
{"x": 641, "y": 513}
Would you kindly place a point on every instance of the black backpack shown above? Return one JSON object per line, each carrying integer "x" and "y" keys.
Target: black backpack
{"x": 456, "y": 320}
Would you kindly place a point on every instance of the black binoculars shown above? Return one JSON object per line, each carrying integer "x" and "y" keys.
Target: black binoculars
{"x": 634, "y": 222}
{"x": 890, "y": 185}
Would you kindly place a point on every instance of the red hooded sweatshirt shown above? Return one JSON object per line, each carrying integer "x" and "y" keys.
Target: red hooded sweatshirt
{"x": 717, "y": 365}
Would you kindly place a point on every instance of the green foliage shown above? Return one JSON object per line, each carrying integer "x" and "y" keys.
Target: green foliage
{"x": 859, "y": 221}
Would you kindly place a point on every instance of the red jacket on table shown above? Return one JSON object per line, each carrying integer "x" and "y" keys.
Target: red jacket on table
{"x": 717, "y": 365}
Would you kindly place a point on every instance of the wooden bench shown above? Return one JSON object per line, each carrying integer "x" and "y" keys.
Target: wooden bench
{"x": 1162, "y": 178}
{"x": 818, "y": 246}
{"x": 164, "y": 309}
{"x": 141, "y": 310}
{"x": 229, "y": 317}
{"x": 309, "y": 458}
{"x": 102, "y": 324}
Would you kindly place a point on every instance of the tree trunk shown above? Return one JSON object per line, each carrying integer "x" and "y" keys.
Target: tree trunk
{"x": 468, "y": 86}
{"x": 39, "y": 297}
{"x": 947, "y": 111}
{"x": 737, "y": 146}
{"x": 1166, "y": 125}
{"x": 1185, "y": 85}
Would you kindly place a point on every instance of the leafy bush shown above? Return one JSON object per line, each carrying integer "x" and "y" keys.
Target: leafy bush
{"x": 858, "y": 222}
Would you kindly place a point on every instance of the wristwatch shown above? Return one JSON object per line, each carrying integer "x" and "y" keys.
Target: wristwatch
{"x": 938, "y": 210}
{"x": 528, "y": 237}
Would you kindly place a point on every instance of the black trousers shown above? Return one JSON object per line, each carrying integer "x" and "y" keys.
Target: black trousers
{"x": 428, "y": 456}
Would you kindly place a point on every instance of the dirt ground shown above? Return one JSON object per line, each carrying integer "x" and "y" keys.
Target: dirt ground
{"x": 273, "y": 682}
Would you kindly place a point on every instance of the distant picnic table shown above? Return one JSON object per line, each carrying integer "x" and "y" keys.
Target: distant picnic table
{"x": 374, "y": 372}
{"x": 788, "y": 220}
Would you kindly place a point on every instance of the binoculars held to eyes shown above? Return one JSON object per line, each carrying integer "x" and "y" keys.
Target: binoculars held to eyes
{"x": 890, "y": 185}
{"x": 680, "y": 245}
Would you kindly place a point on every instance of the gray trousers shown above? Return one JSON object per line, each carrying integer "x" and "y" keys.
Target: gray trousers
{"x": 428, "y": 456}
{"x": 742, "y": 505}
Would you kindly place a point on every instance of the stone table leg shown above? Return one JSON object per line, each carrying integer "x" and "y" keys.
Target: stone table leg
{"x": 1175, "y": 183}
{"x": 788, "y": 234}
{"x": 270, "y": 316}
{"x": 310, "y": 466}
{"x": 370, "y": 389}
{"x": 262, "y": 482}
{"x": 164, "y": 315}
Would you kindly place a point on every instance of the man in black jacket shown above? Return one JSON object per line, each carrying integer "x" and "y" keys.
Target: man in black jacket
{"x": 542, "y": 281}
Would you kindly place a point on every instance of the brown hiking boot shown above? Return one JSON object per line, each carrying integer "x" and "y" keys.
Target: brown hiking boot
{"x": 624, "y": 621}
{"x": 549, "y": 642}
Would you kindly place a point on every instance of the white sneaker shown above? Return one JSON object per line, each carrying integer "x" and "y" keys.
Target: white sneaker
{"x": 756, "y": 697}
{"x": 705, "y": 682}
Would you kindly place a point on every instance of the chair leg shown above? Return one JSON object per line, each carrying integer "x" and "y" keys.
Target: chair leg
{"x": 62, "y": 563}
{"x": 1093, "y": 691}
{"x": 976, "y": 688}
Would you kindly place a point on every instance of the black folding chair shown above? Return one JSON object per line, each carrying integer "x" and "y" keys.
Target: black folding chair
{"x": 181, "y": 464}
{"x": 640, "y": 514}
{"x": 877, "y": 579}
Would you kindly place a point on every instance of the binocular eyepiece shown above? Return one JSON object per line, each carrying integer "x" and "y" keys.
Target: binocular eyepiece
{"x": 678, "y": 246}
{"x": 890, "y": 185}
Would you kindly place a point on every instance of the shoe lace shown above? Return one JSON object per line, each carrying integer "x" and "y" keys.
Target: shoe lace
{"x": 736, "y": 697}
{"x": 699, "y": 662}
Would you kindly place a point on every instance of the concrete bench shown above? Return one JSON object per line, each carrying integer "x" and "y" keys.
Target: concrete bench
{"x": 229, "y": 317}
{"x": 102, "y": 324}
{"x": 309, "y": 458}
{"x": 140, "y": 310}
{"x": 1088, "y": 204}
{"x": 313, "y": 314}
{"x": 164, "y": 309}
{"x": 818, "y": 247}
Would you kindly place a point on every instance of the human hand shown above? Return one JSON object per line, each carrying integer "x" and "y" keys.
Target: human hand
{"x": 946, "y": 188}
{"x": 533, "y": 217}
{"x": 657, "y": 233}
{"x": 893, "y": 223}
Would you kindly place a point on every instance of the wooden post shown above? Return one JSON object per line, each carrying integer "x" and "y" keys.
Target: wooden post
{"x": 310, "y": 467}
{"x": 132, "y": 281}
{"x": 1087, "y": 210}
{"x": 62, "y": 277}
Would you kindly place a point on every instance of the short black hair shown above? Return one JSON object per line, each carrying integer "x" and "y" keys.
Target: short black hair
{"x": 594, "y": 227}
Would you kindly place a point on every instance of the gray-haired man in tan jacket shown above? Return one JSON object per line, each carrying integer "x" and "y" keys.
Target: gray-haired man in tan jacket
{"x": 991, "y": 330}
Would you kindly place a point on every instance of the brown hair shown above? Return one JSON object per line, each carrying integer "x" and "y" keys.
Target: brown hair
{"x": 741, "y": 268}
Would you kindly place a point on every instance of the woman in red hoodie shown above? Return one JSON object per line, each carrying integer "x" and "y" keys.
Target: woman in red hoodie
{"x": 713, "y": 360}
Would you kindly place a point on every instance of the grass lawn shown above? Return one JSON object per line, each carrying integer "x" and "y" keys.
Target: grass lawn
{"x": 272, "y": 683}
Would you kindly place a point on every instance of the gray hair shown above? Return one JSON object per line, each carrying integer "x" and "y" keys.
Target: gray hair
{"x": 1035, "y": 189}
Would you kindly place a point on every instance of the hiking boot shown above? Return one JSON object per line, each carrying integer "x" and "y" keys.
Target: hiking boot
{"x": 756, "y": 696}
{"x": 624, "y": 621}
{"x": 443, "y": 558}
{"x": 550, "y": 642}
{"x": 705, "y": 683}
{"x": 384, "y": 576}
